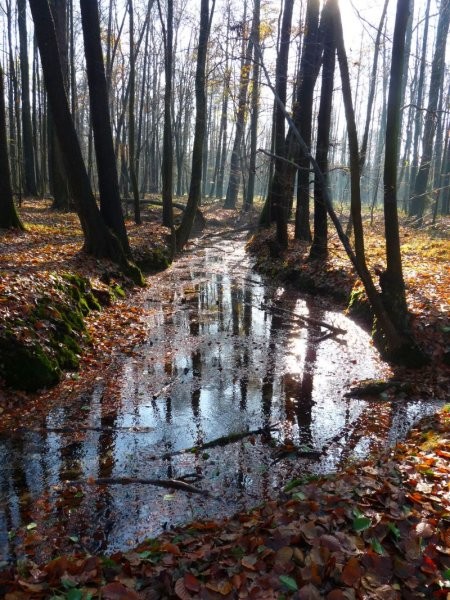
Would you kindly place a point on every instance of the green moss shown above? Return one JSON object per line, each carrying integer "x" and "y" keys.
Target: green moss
{"x": 118, "y": 291}
{"x": 26, "y": 367}
{"x": 154, "y": 259}
{"x": 359, "y": 307}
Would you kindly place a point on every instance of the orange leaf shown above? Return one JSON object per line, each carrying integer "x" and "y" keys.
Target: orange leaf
{"x": 352, "y": 572}
{"x": 171, "y": 548}
{"x": 191, "y": 582}
{"x": 117, "y": 591}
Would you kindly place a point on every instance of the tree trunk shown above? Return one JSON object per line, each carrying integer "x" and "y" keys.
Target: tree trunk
{"x": 391, "y": 281}
{"x": 235, "y": 171}
{"x": 278, "y": 195}
{"x": 110, "y": 205}
{"x": 254, "y": 111}
{"x": 182, "y": 233}
{"x": 319, "y": 245}
{"x": 418, "y": 199}
{"x": 98, "y": 239}
{"x": 131, "y": 120}
{"x": 8, "y": 213}
{"x": 27, "y": 131}
{"x": 167, "y": 155}
{"x": 302, "y": 114}
{"x": 56, "y": 171}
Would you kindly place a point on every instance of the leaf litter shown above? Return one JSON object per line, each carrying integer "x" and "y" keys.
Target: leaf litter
{"x": 379, "y": 529}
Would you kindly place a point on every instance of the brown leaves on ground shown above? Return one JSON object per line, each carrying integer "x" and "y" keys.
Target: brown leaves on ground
{"x": 379, "y": 530}
{"x": 29, "y": 262}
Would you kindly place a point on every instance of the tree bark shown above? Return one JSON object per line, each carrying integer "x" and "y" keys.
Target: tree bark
{"x": 184, "y": 230}
{"x": 319, "y": 246}
{"x": 167, "y": 155}
{"x": 8, "y": 214}
{"x": 418, "y": 199}
{"x": 27, "y": 130}
{"x": 108, "y": 182}
{"x": 391, "y": 281}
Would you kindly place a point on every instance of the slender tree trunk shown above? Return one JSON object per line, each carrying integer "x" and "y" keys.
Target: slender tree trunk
{"x": 187, "y": 222}
{"x": 8, "y": 213}
{"x": 391, "y": 280}
{"x": 131, "y": 120}
{"x": 302, "y": 114}
{"x": 57, "y": 174}
{"x": 235, "y": 172}
{"x": 167, "y": 155}
{"x": 319, "y": 246}
{"x": 27, "y": 130}
{"x": 418, "y": 199}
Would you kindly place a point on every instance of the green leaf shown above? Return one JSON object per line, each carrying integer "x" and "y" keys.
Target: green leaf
{"x": 169, "y": 497}
{"x": 74, "y": 538}
{"x": 288, "y": 582}
{"x": 74, "y": 594}
{"x": 446, "y": 575}
{"x": 292, "y": 484}
{"x": 377, "y": 547}
{"x": 298, "y": 496}
{"x": 361, "y": 523}
{"x": 68, "y": 584}
{"x": 31, "y": 526}
{"x": 394, "y": 530}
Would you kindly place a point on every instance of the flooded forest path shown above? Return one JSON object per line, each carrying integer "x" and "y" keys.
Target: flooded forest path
{"x": 240, "y": 387}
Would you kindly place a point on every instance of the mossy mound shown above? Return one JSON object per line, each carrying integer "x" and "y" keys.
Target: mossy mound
{"x": 26, "y": 366}
{"x": 153, "y": 260}
{"x": 36, "y": 349}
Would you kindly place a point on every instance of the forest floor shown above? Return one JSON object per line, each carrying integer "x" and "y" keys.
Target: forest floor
{"x": 380, "y": 529}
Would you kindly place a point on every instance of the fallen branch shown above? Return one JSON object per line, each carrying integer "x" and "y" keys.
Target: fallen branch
{"x": 222, "y": 441}
{"x": 309, "y": 320}
{"x": 232, "y": 437}
{"x": 173, "y": 484}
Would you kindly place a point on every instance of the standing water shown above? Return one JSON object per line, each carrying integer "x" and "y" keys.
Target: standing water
{"x": 240, "y": 387}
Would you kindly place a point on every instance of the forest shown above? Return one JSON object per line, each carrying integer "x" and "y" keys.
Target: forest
{"x": 224, "y": 299}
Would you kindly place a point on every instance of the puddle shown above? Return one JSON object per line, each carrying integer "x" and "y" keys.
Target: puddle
{"x": 227, "y": 355}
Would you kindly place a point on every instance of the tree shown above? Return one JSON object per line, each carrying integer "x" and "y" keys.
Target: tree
{"x": 244, "y": 78}
{"x": 418, "y": 198}
{"x": 98, "y": 239}
{"x": 110, "y": 205}
{"x": 319, "y": 246}
{"x": 278, "y": 197}
{"x": 8, "y": 213}
{"x": 302, "y": 113}
{"x": 248, "y": 202}
{"x": 167, "y": 155}
{"x": 183, "y": 231}
{"x": 391, "y": 280}
{"x": 131, "y": 120}
{"x": 57, "y": 176}
{"x": 27, "y": 130}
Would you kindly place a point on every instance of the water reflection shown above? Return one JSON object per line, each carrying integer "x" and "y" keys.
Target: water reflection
{"x": 221, "y": 359}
